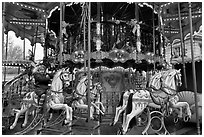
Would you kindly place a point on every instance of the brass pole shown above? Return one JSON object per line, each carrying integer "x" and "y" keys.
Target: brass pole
{"x": 60, "y": 35}
{"x": 153, "y": 36}
{"x": 182, "y": 47}
{"x": 84, "y": 27}
{"x": 89, "y": 51}
{"x": 36, "y": 34}
{"x": 24, "y": 43}
{"x": 3, "y": 24}
{"x": 193, "y": 70}
{"x": 6, "y": 55}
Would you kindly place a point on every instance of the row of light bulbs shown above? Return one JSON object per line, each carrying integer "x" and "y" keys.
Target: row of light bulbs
{"x": 172, "y": 19}
{"x": 29, "y": 20}
{"x": 27, "y": 23}
{"x": 29, "y": 7}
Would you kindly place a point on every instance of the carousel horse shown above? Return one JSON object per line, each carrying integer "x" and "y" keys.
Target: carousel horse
{"x": 169, "y": 81}
{"x": 80, "y": 96}
{"x": 54, "y": 99}
{"x": 125, "y": 95}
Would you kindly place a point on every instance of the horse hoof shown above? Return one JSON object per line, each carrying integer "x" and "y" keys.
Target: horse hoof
{"x": 23, "y": 125}
{"x": 176, "y": 120}
{"x": 38, "y": 132}
{"x": 11, "y": 127}
{"x": 120, "y": 131}
{"x": 65, "y": 122}
{"x": 112, "y": 124}
{"x": 186, "y": 118}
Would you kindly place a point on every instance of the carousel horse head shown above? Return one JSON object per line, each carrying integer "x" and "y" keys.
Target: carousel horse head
{"x": 61, "y": 79}
{"x": 95, "y": 90}
{"x": 83, "y": 85}
{"x": 172, "y": 79}
{"x": 155, "y": 81}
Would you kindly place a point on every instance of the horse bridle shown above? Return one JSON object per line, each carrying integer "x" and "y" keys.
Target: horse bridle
{"x": 63, "y": 81}
{"x": 163, "y": 85}
{"x": 82, "y": 95}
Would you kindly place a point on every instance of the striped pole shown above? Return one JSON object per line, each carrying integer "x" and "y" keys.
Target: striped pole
{"x": 182, "y": 47}
{"x": 89, "y": 50}
{"x": 193, "y": 69}
{"x": 60, "y": 36}
{"x": 153, "y": 36}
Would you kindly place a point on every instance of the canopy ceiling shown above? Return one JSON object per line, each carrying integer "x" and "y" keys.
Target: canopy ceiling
{"x": 17, "y": 14}
{"x": 27, "y": 19}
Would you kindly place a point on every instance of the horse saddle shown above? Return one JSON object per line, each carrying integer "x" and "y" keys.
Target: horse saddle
{"x": 159, "y": 98}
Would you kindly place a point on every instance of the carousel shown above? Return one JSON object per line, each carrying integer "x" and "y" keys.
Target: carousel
{"x": 109, "y": 68}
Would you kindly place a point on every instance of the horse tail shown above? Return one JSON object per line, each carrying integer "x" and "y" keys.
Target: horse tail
{"x": 121, "y": 100}
{"x": 129, "y": 104}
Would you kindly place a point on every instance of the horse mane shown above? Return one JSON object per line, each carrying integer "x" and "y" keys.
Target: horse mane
{"x": 79, "y": 85}
{"x": 56, "y": 83}
{"x": 168, "y": 80}
{"x": 154, "y": 80}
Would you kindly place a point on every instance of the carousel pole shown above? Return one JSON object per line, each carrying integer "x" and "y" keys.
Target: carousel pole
{"x": 3, "y": 25}
{"x": 98, "y": 32}
{"x": 24, "y": 42}
{"x": 60, "y": 36}
{"x": 45, "y": 35}
{"x": 3, "y": 20}
{"x": 36, "y": 34}
{"x": 84, "y": 30}
{"x": 171, "y": 43}
{"x": 182, "y": 47}
{"x": 89, "y": 51}
{"x": 153, "y": 34}
{"x": 6, "y": 55}
{"x": 193, "y": 70}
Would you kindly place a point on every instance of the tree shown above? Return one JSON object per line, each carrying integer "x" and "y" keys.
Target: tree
{"x": 14, "y": 51}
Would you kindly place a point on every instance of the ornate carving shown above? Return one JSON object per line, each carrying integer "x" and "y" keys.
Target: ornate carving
{"x": 112, "y": 80}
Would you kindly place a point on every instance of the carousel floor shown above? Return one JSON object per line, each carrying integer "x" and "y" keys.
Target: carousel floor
{"x": 80, "y": 127}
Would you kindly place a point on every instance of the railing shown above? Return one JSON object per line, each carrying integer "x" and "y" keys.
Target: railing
{"x": 13, "y": 95}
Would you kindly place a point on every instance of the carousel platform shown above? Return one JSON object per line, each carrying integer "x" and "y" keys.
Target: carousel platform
{"x": 81, "y": 127}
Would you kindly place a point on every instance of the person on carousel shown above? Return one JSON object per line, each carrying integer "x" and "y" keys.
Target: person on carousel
{"x": 42, "y": 80}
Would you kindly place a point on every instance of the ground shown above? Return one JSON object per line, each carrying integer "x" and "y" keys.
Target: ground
{"x": 80, "y": 127}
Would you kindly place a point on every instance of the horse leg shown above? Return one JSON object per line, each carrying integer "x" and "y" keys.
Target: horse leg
{"x": 69, "y": 112}
{"x": 180, "y": 105}
{"x": 25, "y": 119}
{"x": 94, "y": 105}
{"x": 119, "y": 110}
{"x": 91, "y": 112}
{"x": 135, "y": 111}
{"x": 18, "y": 113}
{"x": 65, "y": 107}
{"x": 102, "y": 106}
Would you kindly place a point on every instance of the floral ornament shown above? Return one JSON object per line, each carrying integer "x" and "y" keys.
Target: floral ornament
{"x": 64, "y": 25}
{"x": 136, "y": 29}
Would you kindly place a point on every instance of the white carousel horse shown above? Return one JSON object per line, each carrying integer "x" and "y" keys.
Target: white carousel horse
{"x": 80, "y": 95}
{"x": 125, "y": 95}
{"x": 55, "y": 99}
{"x": 142, "y": 98}
{"x": 168, "y": 84}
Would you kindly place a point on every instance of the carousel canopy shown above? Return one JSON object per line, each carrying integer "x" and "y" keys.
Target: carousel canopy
{"x": 170, "y": 15}
{"x": 27, "y": 19}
